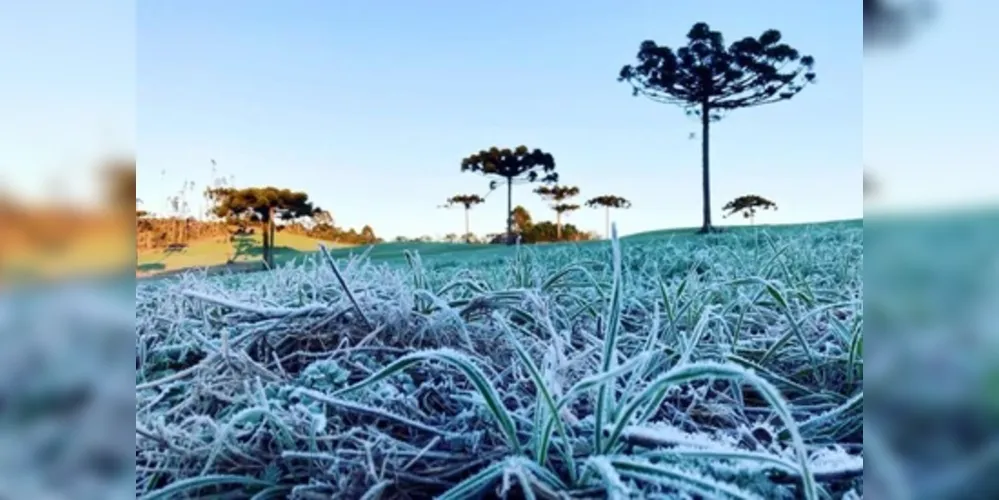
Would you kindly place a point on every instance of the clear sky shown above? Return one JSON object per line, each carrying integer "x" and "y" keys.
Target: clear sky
{"x": 67, "y": 94}
{"x": 370, "y": 106}
{"x": 929, "y": 110}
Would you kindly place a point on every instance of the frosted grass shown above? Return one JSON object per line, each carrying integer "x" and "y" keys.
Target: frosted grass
{"x": 727, "y": 366}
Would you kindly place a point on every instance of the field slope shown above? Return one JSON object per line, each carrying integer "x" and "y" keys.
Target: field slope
{"x": 217, "y": 251}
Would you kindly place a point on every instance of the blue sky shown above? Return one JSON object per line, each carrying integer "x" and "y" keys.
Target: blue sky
{"x": 370, "y": 106}
{"x": 67, "y": 96}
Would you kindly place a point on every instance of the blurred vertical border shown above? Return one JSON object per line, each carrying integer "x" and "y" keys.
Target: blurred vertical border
{"x": 932, "y": 328}
{"x": 66, "y": 295}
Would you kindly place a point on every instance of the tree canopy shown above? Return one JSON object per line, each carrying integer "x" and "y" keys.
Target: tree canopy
{"x": 562, "y": 208}
{"x": 557, "y": 193}
{"x": 749, "y": 72}
{"x": 264, "y": 204}
{"x": 608, "y": 201}
{"x": 464, "y": 200}
{"x": 748, "y": 205}
{"x": 517, "y": 165}
{"x": 467, "y": 201}
{"x": 706, "y": 78}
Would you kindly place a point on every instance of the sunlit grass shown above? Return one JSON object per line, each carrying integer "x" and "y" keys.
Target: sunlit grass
{"x": 217, "y": 251}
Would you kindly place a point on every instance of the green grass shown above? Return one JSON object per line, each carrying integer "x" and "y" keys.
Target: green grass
{"x": 295, "y": 249}
{"x": 215, "y": 252}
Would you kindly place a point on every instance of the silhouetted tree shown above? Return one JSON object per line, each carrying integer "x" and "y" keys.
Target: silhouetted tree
{"x": 748, "y": 205}
{"x": 608, "y": 202}
{"x": 265, "y": 205}
{"x": 515, "y": 166}
{"x": 562, "y": 210}
{"x": 558, "y": 194}
{"x": 706, "y": 78}
{"x": 467, "y": 201}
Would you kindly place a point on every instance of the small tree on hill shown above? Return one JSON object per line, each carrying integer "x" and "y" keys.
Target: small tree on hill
{"x": 467, "y": 201}
{"x": 558, "y": 194}
{"x": 747, "y": 205}
{"x": 608, "y": 202}
{"x": 706, "y": 78}
{"x": 515, "y": 166}
{"x": 265, "y": 205}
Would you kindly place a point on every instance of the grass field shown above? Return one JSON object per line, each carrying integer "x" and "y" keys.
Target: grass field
{"x": 658, "y": 365}
{"x": 216, "y": 252}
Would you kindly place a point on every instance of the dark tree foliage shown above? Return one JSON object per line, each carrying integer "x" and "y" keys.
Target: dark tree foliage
{"x": 464, "y": 200}
{"x": 747, "y": 205}
{"x": 562, "y": 208}
{"x": 467, "y": 201}
{"x": 546, "y": 232}
{"x": 263, "y": 204}
{"x": 608, "y": 201}
{"x": 515, "y": 166}
{"x": 707, "y": 78}
{"x": 558, "y": 194}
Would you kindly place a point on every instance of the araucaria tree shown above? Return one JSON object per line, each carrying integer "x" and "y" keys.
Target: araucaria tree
{"x": 707, "y": 79}
{"x": 560, "y": 209}
{"x": 558, "y": 194}
{"x": 608, "y": 202}
{"x": 515, "y": 166}
{"x": 467, "y": 201}
{"x": 264, "y": 205}
{"x": 748, "y": 205}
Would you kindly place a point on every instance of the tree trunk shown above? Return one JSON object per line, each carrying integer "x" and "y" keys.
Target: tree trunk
{"x": 509, "y": 211}
{"x": 705, "y": 170}
{"x": 468, "y": 234}
{"x": 607, "y": 221}
{"x": 270, "y": 254}
{"x": 558, "y": 226}
{"x": 268, "y": 237}
{"x": 265, "y": 235}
